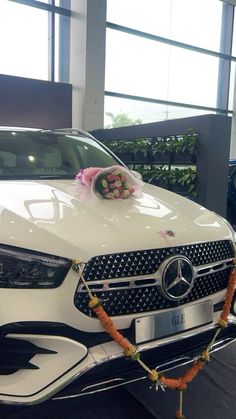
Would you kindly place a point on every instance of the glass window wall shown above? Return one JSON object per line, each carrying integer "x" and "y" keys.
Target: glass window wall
{"x": 141, "y": 67}
{"x": 34, "y": 39}
{"x": 189, "y": 21}
{"x": 136, "y": 111}
{"x": 184, "y": 68}
{"x": 25, "y": 49}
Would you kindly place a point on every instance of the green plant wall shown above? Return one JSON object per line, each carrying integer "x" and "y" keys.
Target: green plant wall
{"x": 169, "y": 162}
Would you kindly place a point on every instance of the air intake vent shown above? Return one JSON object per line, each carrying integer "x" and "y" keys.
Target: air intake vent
{"x": 16, "y": 354}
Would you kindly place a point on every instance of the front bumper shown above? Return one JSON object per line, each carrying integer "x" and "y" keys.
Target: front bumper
{"x": 70, "y": 369}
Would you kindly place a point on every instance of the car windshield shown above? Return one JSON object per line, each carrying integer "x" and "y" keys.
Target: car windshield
{"x": 38, "y": 155}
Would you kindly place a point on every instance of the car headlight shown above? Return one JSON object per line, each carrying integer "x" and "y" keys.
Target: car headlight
{"x": 21, "y": 268}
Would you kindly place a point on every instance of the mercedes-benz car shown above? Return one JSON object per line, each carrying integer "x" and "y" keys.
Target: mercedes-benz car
{"x": 159, "y": 263}
{"x": 231, "y": 197}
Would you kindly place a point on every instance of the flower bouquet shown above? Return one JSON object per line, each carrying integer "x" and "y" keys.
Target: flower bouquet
{"x": 115, "y": 182}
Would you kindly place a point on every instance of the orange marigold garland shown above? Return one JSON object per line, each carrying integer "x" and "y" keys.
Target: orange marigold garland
{"x": 228, "y": 299}
{"x": 181, "y": 382}
{"x": 110, "y": 328}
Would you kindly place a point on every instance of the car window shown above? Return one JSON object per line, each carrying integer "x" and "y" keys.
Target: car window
{"x": 7, "y": 159}
{"x": 37, "y": 154}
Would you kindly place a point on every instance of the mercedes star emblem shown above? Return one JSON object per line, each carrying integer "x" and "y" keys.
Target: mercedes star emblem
{"x": 177, "y": 277}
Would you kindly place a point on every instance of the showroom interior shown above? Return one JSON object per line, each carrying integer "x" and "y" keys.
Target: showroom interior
{"x": 155, "y": 83}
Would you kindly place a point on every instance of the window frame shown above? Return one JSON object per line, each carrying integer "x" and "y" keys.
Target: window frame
{"x": 224, "y": 55}
{"x": 52, "y": 10}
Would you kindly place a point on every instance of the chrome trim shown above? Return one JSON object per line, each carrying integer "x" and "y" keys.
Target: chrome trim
{"x": 227, "y": 263}
{"x": 46, "y": 396}
{"x": 165, "y": 288}
{"x": 181, "y": 361}
{"x": 103, "y": 382}
{"x": 119, "y": 280}
{"x": 106, "y": 284}
{"x": 124, "y": 382}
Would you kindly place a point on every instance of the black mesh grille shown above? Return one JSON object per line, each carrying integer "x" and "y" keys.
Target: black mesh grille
{"x": 143, "y": 262}
{"x": 141, "y": 298}
{"x": 138, "y": 300}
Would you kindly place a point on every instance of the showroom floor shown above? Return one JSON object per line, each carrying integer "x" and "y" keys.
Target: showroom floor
{"x": 211, "y": 395}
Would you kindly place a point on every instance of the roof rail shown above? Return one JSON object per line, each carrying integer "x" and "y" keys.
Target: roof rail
{"x": 72, "y": 131}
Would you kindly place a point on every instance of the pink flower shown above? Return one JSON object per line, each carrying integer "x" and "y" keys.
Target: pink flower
{"x": 110, "y": 183}
{"x": 88, "y": 175}
{"x": 128, "y": 185}
{"x": 117, "y": 172}
{"x": 116, "y": 193}
{"x": 109, "y": 195}
{"x": 79, "y": 175}
{"x": 104, "y": 183}
{"x": 117, "y": 183}
{"x": 125, "y": 194}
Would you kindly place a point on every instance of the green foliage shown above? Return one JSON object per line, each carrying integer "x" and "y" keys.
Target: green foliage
{"x": 185, "y": 143}
{"x": 134, "y": 145}
{"x": 162, "y": 146}
{"x": 121, "y": 120}
{"x": 184, "y": 177}
{"x": 170, "y": 178}
{"x": 177, "y": 144}
{"x": 173, "y": 178}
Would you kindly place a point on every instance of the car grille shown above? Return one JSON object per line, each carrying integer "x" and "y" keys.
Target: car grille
{"x": 143, "y": 262}
{"x": 141, "y": 296}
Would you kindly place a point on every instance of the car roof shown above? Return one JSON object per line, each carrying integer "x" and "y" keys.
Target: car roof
{"x": 2, "y": 128}
{"x": 66, "y": 131}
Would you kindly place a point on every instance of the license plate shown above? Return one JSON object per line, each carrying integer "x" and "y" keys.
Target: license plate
{"x": 173, "y": 321}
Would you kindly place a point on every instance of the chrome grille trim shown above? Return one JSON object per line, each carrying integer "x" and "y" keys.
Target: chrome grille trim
{"x": 106, "y": 284}
{"x": 212, "y": 267}
{"x": 109, "y": 282}
{"x": 135, "y": 300}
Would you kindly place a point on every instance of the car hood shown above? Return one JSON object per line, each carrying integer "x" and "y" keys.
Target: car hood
{"x": 53, "y": 216}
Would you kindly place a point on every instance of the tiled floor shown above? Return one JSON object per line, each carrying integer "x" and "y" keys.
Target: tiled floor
{"x": 212, "y": 394}
{"x": 116, "y": 404}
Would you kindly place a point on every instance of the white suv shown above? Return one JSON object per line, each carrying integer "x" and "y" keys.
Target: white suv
{"x": 159, "y": 263}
